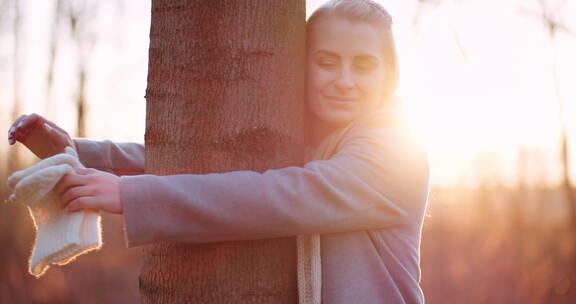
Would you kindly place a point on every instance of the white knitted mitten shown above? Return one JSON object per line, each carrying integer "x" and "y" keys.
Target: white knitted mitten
{"x": 61, "y": 236}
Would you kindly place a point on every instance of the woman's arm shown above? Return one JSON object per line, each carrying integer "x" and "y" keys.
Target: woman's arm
{"x": 378, "y": 179}
{"x": 117, "y": 158}
{"x": 44, "y": 138}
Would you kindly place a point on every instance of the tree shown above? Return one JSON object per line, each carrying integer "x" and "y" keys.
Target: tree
{"x": 14, "y": 153}
{"x": 225, "y": 92}
{"x": 549, "y": 15}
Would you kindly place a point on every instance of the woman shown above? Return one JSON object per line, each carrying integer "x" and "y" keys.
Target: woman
{"x": 364, "y": 189}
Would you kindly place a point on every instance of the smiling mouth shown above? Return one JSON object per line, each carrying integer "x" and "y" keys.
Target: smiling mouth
{"x": 341, "y": 100}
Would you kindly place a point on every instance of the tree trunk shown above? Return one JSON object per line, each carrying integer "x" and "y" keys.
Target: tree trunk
{"x": 14, "y": 163}
{"x": 225, "y": 92}
{"x": 54, "y": 35}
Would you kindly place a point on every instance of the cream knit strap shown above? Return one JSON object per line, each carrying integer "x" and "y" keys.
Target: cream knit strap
{"x": 309, "y": 269}
{"x": 61, "y": 236}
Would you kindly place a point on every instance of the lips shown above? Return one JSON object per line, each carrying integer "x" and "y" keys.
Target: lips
{"x": 341, "y": 100}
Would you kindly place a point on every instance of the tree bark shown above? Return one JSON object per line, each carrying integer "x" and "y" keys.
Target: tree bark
{"x": 225, "y": 93}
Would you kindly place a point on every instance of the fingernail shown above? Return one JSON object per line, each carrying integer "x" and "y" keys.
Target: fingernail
{"x": 20, "y": 136}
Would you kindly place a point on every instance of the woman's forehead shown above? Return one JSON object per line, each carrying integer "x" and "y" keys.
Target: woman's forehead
{"x": 339, "y": 35}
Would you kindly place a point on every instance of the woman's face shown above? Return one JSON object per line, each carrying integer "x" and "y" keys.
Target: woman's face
{"x": 346, "y": 69}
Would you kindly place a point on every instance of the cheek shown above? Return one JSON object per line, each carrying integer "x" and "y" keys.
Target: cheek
{"x": 374, "y": 87}
{"x": 318, "y": 79}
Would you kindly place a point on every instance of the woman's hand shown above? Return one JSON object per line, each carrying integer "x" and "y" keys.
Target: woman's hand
{"x": 90, "y": 189}
{"x": 41, "y": 136}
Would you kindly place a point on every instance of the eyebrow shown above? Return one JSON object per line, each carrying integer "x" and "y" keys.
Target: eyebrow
{"x": 324, "y": 52}
{"x": 361, "y": 57}
{"x": 367, "y": 57}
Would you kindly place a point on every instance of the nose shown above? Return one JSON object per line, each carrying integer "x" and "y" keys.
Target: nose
{"x": 344, "y": 81}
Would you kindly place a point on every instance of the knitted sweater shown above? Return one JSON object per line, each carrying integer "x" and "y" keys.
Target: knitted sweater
{"x": 61, "y": 236}
{"x": 366, "y": 202}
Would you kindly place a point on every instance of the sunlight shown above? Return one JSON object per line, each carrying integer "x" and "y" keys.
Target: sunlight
{"x": 469, "y": 84}
{"x": 495, "y": 94}
{"x": 496, "y": 222}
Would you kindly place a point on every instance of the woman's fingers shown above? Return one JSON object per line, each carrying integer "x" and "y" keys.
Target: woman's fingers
{"x": 85, "y": 171}
{"x": 70, "y": 180}
{"x": 23, "y": 126}
{"x": 75, "y": 193}
{"x": 74, "y": 187}
{"x": 41, "y": 136}
{"x": 84, "y": 202}
{"x": 30, "y": 122}
{"x": 88, "y": 188}
{"x": 12, "y": 130}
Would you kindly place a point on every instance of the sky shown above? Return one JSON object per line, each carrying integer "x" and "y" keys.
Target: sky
{"x": 476, "y": 79}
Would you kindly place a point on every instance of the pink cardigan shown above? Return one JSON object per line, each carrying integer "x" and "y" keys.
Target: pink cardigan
{"x": 367, "y": 202}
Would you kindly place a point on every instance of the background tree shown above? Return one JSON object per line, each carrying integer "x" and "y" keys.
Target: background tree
{"x": 13, "y": 157}
{"x": 54, "y": 33}
{"x": 79, "y": 15}
{"x": 550, "y": 14}
{"x": 225, "y": 92}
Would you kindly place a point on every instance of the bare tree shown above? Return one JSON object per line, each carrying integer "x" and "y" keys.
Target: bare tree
{"x": 79, "y": 15}
{"x": 14, "y": 154}
{"x": 550, "y": 16}
{"x": 55, "y": 31}
{"x": 75, "y": 18}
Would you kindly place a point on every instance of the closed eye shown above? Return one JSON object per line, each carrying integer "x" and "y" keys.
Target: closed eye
{"x": 327, "y": 63}
{"x": 326, "y": 60}
{"x": 366, "y": 63}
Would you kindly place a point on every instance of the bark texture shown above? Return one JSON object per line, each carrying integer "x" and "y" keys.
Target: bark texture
{"x": 225, "y": 93}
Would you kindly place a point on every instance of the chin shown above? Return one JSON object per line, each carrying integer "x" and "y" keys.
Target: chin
{"x": 336, "y": 117}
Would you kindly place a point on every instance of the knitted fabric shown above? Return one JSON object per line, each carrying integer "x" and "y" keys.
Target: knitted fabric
{"x": 61, "y": 236}
{"x": 309, "y": 269}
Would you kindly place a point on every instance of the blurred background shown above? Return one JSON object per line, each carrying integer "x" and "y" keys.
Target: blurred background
{"x": 489, "y": 83}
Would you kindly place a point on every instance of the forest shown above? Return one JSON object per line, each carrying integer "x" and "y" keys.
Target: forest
{"x": 488, "y": 83}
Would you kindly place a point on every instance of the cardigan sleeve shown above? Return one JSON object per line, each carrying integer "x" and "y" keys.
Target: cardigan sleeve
{"x": 117, "y": 158}
{"x": 377, "y": 179}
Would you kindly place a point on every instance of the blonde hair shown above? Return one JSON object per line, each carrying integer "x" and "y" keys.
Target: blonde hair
{"x": 370, "y": 12}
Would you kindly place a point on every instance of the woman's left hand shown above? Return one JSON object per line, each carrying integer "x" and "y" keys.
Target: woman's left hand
{"x": 87, "y": 188}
